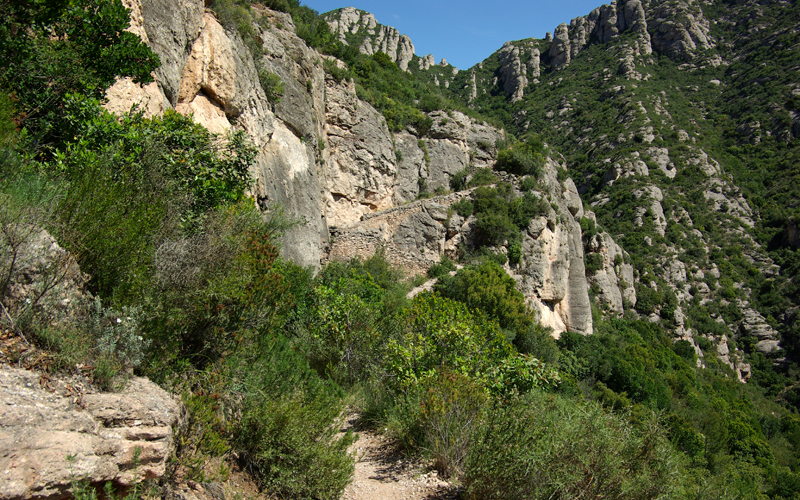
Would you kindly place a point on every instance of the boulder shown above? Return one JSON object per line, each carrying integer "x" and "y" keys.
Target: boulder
{"x": 50, "y": 438}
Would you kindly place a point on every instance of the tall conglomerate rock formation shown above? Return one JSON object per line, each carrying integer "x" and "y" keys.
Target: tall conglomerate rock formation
{"x": 362, "y": 30}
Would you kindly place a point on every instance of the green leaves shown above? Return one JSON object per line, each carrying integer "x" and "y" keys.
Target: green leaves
{"x": 48, "y": 51}
{"x": 440, "y": 332}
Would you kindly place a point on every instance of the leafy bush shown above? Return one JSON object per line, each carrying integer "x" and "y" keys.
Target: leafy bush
{"x": 482, "y": 177}
{"x": 272, "y": 85}
{"x": 537, "y": 341}
{"x": 523, "y": 158}
{"x": 286, "y": 433}
{"x": 545, "y": 446}
{"x": 463, "y": 207}
{"x": 458, "y": 181}
{"x": 438, "y": 333}
{"x": 53, "y": 49}
{"x": 131, "y": 182}
{"x": 489, "y": 289}
{"x": 451, "y": 406}
{"x": 594, "y": 262}
{"x": 443, "y": 268}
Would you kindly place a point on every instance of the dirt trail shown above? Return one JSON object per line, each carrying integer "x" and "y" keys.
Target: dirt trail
{"x": 383, "y": 473}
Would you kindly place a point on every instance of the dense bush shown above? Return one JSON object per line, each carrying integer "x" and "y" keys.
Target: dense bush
{"x": 489, "y": 289}
{"x": 546, "y": 446}
{"x": 285, "y": 432}
{"x": 523, "y": 158}
{"x": 132, "y": 182}
{"x": 49, "y": 50}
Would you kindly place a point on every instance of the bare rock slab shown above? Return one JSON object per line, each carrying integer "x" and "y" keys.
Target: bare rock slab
{"x": 102, "y": 432}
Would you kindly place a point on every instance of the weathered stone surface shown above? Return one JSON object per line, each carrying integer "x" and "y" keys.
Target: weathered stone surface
{"x": 218, "y": 70}
{"x": 534, "y": 65}
{"x": 379, "y": 38}
{"x": 613, "y": 281}
{"x": 41, "y": 277}
{"x": 512, "y": 71}
{"x": 560, "y": 50}
{"x": 679, "y": 30}
{"x": 171, "y": 31}
{"x": 361, "y": 170}
{"x": 39, "y": 429}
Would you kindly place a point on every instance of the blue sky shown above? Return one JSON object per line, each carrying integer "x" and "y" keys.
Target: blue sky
{"x": 466, "y": 32}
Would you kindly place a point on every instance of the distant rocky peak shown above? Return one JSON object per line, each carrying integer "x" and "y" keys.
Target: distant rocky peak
{"x": 360, "y": 29}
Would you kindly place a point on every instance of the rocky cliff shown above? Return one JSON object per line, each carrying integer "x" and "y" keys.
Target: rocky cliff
{"x": 328, "y": 159}
{"x": 641, "y": 96}
{"x": 209, "y": 72}
{"x": 361, "y": 29}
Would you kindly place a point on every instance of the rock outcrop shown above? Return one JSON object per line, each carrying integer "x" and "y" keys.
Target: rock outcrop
{"x": 208, "y": 71}
{"x": 560, "y": 51}
{"x": 49, "y": 438}
{"x": 361, "y": 171}
{"x": 512, "y": 71}
{"x": 679, "y": 30}
{"x": 361, "y": 29}
{"x": 368, "y": 168}
{"x": 40, "y": 277}
{"x": 551, "y": 273}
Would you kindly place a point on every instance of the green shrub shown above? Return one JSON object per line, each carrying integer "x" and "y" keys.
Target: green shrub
{"x": 443, "y": 268}
{"x": 528, "y": 182}
{"x": 482, "y": 177}
{"x": 522, "y": 158}
{"x": 285, "y": 433}
{"x": 272, "y": 85}
{"x": 546, "y": 446}
{"x": 440, "y": 332}
{"x": 594, "y": 262}
{"x": 451, "y": 406}
{"x": 514, "y": 253}
{"x": 463, "y": 207}
{"x": 54, "y": 49}
{"x": 458, "y": 181}
{"x": 488, "y": 288}
{"x": 338, "y": 74}
{"x": 539, "y": 342}
{"x": 132, "y": 182}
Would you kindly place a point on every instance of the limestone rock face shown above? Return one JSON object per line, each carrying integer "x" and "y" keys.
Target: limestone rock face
{"x": 209, "y": 72}
{"x": 679, "y": 30}
{"x": 414, "y": 236}
{"x": 350, "y": 24}
{"x": 512, "y": 71}
{"x": 172, "y": 29}
{"x": 361, "y": 170}
{"x": 370, "y": 169}
{"x": 426, "y": 62}
{"x": 560, "y": 50}
{"x": 40, "y": 428}
{"x": 218, "y": 77}
{"x": 753, "y": 324}
{"x": 615, "y": 279}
